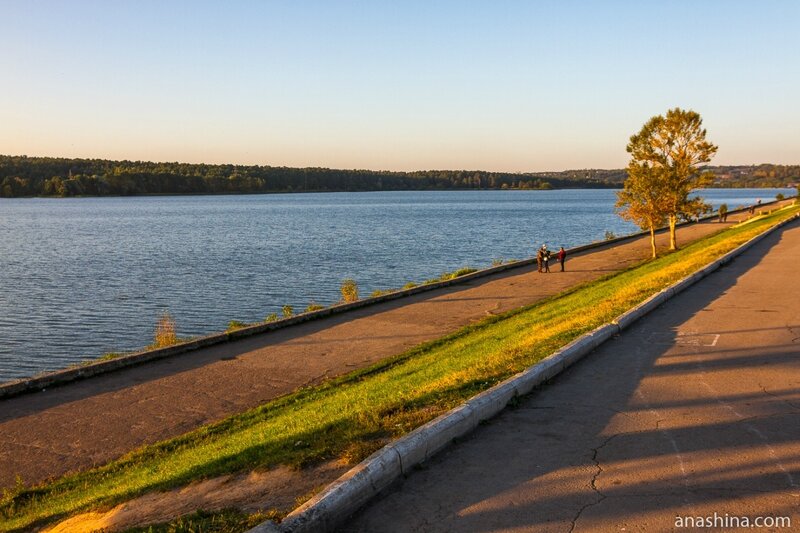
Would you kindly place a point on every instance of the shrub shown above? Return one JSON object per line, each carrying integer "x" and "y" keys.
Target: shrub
{"x": 312, "y": 306}
{"x": 349, "y": 290}
{"x": 165, "y": 334}
{"x": 272, "y": 317}
{"x": 451, "y": 275}
{"x": 287, "y": 311}
{"x": 463, "y": 272}
{"x": 779, "y": 196}
{"x": 497, "y": 262}
{"x": 236, "y": 324}
{"x": 409, "y": 285}
{"x": 610, "y": 235}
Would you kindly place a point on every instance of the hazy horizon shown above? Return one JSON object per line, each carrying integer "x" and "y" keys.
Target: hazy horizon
{"x": 495, "y": 86}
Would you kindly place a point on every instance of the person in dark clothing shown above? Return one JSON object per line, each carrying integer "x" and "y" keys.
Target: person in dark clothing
{"x": 562, "y": 256}
{"x": 546, "y": 260}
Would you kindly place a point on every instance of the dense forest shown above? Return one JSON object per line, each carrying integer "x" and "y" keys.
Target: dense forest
{"x": 45, "y": 176}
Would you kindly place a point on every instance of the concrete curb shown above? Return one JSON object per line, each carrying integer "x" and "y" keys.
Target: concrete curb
{"x": 61, "y": 377}
{"x": 351, "y": 491}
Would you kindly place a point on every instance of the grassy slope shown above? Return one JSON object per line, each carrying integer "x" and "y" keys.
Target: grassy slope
{"x": 353, "y": 415}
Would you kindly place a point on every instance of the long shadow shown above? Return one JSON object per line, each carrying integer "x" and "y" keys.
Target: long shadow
{"x": 530, "y": 467}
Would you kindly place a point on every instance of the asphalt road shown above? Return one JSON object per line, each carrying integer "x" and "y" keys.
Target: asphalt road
{"x": 693, "y": 411}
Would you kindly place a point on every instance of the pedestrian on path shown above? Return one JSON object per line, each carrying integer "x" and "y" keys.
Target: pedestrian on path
{"x": 562, "y": 256}
{"x": 540, "y": 257}
{"x": 546, "y": 259}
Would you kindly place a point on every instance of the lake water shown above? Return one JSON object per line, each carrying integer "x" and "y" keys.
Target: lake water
{"x": 81, "y": 277}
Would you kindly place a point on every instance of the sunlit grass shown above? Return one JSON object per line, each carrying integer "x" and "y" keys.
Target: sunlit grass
{"x": 353, "y": 415}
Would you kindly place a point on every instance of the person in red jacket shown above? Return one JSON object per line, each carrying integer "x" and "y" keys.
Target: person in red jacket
{"x": 562, "y": 256}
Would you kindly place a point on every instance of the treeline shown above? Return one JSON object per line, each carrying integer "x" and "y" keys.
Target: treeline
{"x": 46, "y": 176}
{"x": 756, "y": 175}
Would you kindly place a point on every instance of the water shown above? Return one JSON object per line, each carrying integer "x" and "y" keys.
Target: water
{"x": 81, "y": 277}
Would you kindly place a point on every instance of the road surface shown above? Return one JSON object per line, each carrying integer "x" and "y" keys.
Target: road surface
{"x": 693, "y": 411}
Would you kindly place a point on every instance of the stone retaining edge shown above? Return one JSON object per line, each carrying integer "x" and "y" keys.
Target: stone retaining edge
{"x": 61, "y": 377}
{"x": 352, "y": 490}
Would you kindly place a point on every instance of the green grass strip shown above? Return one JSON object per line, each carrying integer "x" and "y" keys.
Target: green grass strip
{"x": 223, "y": 521}
{"x": 353, "y": 415}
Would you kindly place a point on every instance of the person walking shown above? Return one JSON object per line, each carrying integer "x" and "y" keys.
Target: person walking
{"x": 562, "y": 256}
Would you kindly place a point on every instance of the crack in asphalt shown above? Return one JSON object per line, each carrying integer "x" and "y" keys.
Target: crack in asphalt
{"x": 793, "y": 332}
{"x": 765, "y": 391}
{"x": 593, "y": 482}
{"x": 572, "y": 404}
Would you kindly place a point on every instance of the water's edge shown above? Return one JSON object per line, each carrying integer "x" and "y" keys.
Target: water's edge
{"x": 61, "y": 377}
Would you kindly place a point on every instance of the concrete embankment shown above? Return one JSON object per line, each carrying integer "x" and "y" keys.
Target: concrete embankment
{"x": 89, "y": 422}
{"x": 103, "y": 366}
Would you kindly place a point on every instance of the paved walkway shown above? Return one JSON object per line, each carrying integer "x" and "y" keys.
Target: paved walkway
{"x": 90, "y": 422}
{"x": 693, "y": 411}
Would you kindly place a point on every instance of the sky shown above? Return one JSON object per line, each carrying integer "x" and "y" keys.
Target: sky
{"x": 512, "y": 86}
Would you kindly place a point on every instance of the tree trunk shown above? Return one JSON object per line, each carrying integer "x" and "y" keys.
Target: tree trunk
{"x": 673, "y": 241}
{"x": 653, "y": 240}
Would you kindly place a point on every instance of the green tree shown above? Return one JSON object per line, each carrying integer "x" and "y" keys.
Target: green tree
{"x": 643, "y": 199}
{"x": 672, "y": 147}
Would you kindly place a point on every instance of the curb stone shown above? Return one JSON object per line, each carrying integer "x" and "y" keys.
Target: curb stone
{"x": 351, "y": 491}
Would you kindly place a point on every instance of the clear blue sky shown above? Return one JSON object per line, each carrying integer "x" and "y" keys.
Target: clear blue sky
{"x": 494, "y": 85}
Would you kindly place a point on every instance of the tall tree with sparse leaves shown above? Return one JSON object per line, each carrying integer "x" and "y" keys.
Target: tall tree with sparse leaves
{"x": 671, "y": 147}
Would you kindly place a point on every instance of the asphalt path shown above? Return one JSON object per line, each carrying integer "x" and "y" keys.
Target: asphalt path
{"x": 90, "y": 422}
{"x": 692, "y": 412}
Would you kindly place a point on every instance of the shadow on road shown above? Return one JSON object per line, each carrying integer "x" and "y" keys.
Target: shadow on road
{"x": 637, "y": 431}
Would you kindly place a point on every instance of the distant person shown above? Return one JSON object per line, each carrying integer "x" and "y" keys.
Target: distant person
{"x": 723, "y": 213}
{"x": 546, "y": 260}
{"x": 540, "y": 257}
{"x": 562, "y": 256}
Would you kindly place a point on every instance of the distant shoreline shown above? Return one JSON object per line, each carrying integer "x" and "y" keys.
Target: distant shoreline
{"x": 189, "y": 194}
{"x": 22, "y": 176}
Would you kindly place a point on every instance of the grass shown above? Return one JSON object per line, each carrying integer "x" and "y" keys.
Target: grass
{"x": 444, "y": 277}
{"x": 224, "y": 521}
{"x": 233, "y": 325}
{"x": 349, "y": 290}
{"x": 166, "y": 332}
{"x": 353, "y": 415}
{"x": 313, "y": 306}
